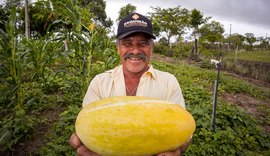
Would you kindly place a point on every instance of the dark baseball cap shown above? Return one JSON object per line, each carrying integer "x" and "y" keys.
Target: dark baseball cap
{"x": 134, "y": 23}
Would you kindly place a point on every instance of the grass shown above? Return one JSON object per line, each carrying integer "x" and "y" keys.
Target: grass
{"x": 258, "y": 56}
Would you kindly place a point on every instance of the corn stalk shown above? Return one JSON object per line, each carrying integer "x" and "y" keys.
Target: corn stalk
{"x": 11, "y": 62}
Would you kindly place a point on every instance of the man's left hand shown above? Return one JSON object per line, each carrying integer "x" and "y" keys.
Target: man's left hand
{"x": 176, "y": 152}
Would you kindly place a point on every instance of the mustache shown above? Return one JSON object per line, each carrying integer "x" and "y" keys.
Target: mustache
{"x": 142, "y": 56}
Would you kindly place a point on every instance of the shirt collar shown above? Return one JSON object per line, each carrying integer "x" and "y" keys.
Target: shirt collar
{"x": 119, "y": 70}
{"x": 151, "y": 72}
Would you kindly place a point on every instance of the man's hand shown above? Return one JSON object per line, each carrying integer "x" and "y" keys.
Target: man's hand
{"x": 178, "y": 151}
{"x": 75, "y": 142}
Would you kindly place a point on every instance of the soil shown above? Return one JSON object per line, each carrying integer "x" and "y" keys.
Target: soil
{"x": 255, "y": 107}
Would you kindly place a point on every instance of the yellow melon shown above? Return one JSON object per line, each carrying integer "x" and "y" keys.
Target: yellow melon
{"x": 133, "y": 126}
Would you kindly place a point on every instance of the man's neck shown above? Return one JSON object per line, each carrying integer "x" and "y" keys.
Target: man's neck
{"x": 130, "y": 75}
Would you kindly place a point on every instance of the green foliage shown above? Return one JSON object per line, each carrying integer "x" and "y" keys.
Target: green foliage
{"x": 126, "y": 10}
{"x": 178, "y": 50}
{"x": 250, "y": 39}
{"x": 41, "y": 15}
{"x": 19, "y": 125}
{"x": 12, "y": 61}
{"x": 97, "y": 8}
{"x": 62, "y": 130}
{"x": 171, "y": 21}
{"x": 161, "y": 48}
{"x": 45, "y": 74}
{"x": 3, "y": 16}
{"x": 251, "y": 64}
{"x": 233, "y": 126}
{"x": 5, "y": 136}
{"x": 237, "y": 133}
{"x": 256, "y": 56}
{"x": 237, "y": 40}
{"x": 211, "y": 32}
{"x": 53, "y": 73}
{"x": 196, "y": 18}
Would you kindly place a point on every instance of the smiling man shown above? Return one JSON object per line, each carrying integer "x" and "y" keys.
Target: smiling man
{"x": 135, "y": 76}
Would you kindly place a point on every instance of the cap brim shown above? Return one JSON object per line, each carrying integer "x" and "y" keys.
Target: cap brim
{"x": 135, "y": 31}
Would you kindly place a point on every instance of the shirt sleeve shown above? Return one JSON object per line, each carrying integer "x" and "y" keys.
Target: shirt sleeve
{"x": 92, "y": 93}
{"x": 176, "y": 94}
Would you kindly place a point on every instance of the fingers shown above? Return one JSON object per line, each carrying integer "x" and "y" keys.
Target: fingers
{"x": 176, "y": 152}
{"x": 74, "y": 141}
{"x": 83, "y": 151}
{"x": 184, "y": 147}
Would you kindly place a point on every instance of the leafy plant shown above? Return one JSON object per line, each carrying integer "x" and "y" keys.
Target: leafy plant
{"x": 62, "y": 130}
{"x": 12, "y": 62}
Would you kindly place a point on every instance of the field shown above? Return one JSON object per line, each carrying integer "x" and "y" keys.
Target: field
{"x": 257, "y": 56}
{"x": 242, "y": 124}
{"x": 252, "y": 64}
{"x": 43, "y": 80}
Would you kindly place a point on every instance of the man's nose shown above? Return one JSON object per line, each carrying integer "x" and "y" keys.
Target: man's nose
{"x": 136, "y": 49}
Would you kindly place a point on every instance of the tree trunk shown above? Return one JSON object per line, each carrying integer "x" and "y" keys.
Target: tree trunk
{"x": 27, "y": 22}
{"x": 196, "y": 48}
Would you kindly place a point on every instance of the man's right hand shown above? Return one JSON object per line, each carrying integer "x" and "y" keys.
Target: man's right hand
{"x": 76, "y": 143}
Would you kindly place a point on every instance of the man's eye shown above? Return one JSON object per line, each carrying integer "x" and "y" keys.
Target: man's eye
{"x": 144, "y": 43}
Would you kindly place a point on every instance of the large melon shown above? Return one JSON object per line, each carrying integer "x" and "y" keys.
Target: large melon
{"x": 133, "y": 126}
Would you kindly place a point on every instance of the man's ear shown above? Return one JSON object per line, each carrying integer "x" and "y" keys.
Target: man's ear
{"x": 117, "y": 46}
{"x": 118, "y": 50}
{"x": 152, "y": 49}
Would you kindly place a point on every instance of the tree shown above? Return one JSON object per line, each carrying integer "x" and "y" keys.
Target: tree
{"x": 264, "y": 42}
{"x": 41, "y": 17}
{"x": 5, "y": 11}
{"x": 211, "y": 32}
{"x": 196, "y": 19}
{"x": 250, "y": 39}
{"x": 3, "y": 17}
{"x": 10, "y": 3}
{"x": 126, "y": 10}
{"x": 171, "y": 21}
{"x": 97, "y": 8}
{"x": 236, "y": 40}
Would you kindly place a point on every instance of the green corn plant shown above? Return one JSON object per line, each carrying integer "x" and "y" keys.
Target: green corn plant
{"x": 81, "y": 43}
{"x": 75, "y": 40}
{"x": 40, "y": 56}
{"x": 11, "y": 62}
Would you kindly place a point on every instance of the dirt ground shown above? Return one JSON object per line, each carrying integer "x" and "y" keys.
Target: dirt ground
{"x": 255, "y": 107}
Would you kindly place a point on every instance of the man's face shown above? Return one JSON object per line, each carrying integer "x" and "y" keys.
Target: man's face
{"x": 135, "y": 52}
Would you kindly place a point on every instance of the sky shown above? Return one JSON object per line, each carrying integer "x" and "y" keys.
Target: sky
{"x": 237, "y": 16}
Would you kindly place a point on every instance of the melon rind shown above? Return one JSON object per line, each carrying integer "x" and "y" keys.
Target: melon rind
{"x": 133, "y": 126}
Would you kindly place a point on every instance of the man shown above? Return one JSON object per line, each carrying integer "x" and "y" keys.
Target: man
{"x": 134, "y": 77}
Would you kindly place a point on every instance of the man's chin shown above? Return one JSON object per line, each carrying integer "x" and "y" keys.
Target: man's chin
{"x": 135, "y": 69}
